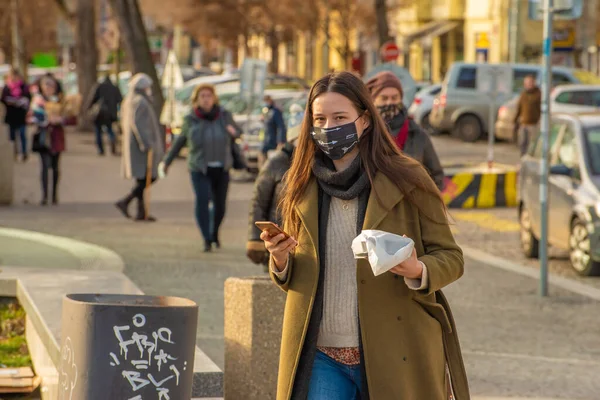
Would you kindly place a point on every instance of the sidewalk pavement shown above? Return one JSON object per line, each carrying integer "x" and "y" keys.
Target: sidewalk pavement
{"x": 515, "y": 344}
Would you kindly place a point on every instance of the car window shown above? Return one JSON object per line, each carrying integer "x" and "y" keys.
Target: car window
{"x": 559, "y": 78}
{"x": 592, "y": 138}
{"x": 568, "y": 153}
{"x": 576, "y": 97}
{"x": 555, "y": 127}
{"x": 467, "y": 78}
{"x": 436, "y": 91}
{"x": 519, "y": 75}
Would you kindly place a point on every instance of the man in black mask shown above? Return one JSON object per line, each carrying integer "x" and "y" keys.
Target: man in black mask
{"x": 387, "y": 93}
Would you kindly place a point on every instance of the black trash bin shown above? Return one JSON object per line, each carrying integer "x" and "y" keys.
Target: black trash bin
{"x": 129, "y": 347}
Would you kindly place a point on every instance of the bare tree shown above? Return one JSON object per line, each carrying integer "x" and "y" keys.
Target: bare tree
{"x": 349, "y": 15}
{"x": 135, "y": 42}
{"x": 383, "y": 30}
{"x": 86, "y": 52}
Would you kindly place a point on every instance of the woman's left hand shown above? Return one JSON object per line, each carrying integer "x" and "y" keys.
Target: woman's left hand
{"x": 410, "y": 268}
{"x": 231, "y": 130}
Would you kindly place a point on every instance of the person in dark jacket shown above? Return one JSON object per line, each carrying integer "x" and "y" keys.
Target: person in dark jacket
{"x": 109, "y": 98}
{"x": 529, "y": 111}
{"x": 275, "y": 129}
{"x": 387, "y": 93}
{"x": 209, "y": 132}
{"x": 267, "y": 190}
{"x": 16, "y": 98}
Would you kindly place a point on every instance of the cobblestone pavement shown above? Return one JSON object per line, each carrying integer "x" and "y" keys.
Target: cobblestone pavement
{"x": 515, "y": 344}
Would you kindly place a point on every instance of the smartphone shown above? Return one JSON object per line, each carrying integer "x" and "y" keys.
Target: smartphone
{"x": 271, "y": 228}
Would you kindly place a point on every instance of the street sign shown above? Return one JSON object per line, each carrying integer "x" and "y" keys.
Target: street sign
{"x": 253, "y": 77}
{"x": 496, "y": 79}
{"x": 389, "y": 52}
{"x": 409, "y": 86}
{"x": 563, "y": 9}
{"x": 64, "y": 34}
{"x": 172, "y": 79}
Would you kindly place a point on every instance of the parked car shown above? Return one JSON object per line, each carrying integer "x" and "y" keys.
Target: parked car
{"x": 422, "y": 105}
{"x": 574, "y": 191}
{"x": 463, "y": 105}
{"x": 563, "y": 99}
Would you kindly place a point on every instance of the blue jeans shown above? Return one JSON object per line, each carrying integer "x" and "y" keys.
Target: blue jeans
{"x": 210, "y": 186}
{"x": 99, "y": 131}
{"x": 20, "y": 130}
{"x": 331, "y": 380}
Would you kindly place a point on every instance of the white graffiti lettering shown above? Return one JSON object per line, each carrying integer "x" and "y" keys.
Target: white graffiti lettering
{"x": 68, "y": 369}
{"x": 153, "y": 351}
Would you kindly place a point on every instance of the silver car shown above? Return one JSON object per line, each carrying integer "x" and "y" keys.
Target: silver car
{"x": 422, "y": 105}
{"x": 573, "y": 191}
{"x": 463, "y": 105}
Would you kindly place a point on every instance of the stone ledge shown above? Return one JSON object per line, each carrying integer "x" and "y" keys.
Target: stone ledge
{"x": 41, "y": 292}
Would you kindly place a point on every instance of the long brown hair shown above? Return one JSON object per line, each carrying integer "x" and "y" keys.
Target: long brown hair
{"x": 378, "y": 152}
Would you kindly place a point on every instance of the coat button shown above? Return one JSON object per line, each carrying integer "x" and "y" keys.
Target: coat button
{"x": 395, "y": 276}
{"x": 363, "y": 281}
{"x": 399, "y": 318}
{"x": 403, "y": 358}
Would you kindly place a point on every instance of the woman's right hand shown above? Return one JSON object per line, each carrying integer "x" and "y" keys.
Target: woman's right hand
{"x": 279, "y": 248}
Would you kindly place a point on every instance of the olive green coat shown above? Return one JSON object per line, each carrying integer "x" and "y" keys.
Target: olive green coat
{"x": 406, "y": 335}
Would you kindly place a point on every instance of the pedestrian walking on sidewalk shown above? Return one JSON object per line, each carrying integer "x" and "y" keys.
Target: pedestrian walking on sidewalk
{"x": 346, "y": 333}
{"x": 16, "y": 98}
{"x": 275, "y": 129}
{"x": 47, "y": 110}
{"x": 209, "y": 132}
{"x": 529, "y": 111}
{"x": 387, "y": 93}
{"x": 142, "y": 145}
{"x": 105, "y": 104}
{"x": 267, "y": 192}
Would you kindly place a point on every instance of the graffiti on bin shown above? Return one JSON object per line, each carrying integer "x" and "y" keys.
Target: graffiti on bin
{"x": 145, "y": 359}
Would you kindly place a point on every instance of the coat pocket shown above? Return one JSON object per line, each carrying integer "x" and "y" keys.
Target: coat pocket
{"x": 437, "y": 311}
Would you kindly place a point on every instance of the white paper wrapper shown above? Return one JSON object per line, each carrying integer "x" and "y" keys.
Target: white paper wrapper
{"x": 383, "y": 250}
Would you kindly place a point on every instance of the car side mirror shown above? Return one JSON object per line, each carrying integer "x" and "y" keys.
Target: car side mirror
{"x": 561, "y": 169}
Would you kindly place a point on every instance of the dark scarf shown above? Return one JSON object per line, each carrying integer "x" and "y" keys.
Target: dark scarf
{"x": 208, "y": 115}
{"x": 348, "y": 184}
{"x": 396, "y": 123}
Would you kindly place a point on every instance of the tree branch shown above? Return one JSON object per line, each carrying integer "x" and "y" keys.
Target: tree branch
{"x": 64, "y": 10}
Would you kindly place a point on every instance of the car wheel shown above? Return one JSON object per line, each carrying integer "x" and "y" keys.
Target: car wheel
{"x": 529, "y": 243}
{"x": 426, "y": 126}
{"x": 468, "y": 128}
{"x": 580, "y": 250}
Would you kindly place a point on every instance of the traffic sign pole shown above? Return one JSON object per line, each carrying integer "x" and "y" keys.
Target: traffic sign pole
{"x": 545, "y": 132}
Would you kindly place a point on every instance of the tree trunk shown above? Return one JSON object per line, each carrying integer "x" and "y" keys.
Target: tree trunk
{"x": 135, "y": 43}
{"x": 274, "y": 43}
{"x": 383, "y": 30}
{"x": 86, "y": 53}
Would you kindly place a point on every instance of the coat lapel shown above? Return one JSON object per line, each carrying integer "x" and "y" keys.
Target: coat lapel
{"x": 308, "y": 210}
{"x": 389, "y": 196}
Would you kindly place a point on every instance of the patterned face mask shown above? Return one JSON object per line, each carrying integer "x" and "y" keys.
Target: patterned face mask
{"x": 389, "y": 111}
{"x": 338, "y": 141}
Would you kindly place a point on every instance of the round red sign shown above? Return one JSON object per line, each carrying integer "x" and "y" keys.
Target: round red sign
{"x": 390, "y": 51}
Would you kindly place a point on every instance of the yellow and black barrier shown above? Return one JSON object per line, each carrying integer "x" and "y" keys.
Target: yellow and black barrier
{"x": 480, "y": 187}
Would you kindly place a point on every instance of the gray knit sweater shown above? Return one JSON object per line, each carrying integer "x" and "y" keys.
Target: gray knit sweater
{"x": 339, "y": 325}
